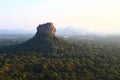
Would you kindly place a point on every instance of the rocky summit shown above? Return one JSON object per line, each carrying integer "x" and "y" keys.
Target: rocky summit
{"x": 44, "y": 41}
{"x": 46, "y": 28}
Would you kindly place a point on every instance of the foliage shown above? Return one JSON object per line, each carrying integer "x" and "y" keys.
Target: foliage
{"x": 80, "y": 60}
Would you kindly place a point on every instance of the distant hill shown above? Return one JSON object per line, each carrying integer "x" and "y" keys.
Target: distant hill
{"x": 15, "y": 31}
{"x": 15, "y": 34}
{"x": 72, "y": 31}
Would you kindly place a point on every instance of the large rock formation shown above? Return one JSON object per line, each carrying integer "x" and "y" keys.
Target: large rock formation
{"x": 44, "y": 42}
{"x": 47, "y": 28}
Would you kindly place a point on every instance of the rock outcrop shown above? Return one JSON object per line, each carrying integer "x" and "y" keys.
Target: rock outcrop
{"x": 43, "y": 42}
{"x": 46, "y": 28}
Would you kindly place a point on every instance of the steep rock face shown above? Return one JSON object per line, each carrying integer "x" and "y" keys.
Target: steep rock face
{"x": 44, "y": 42}
{"x": 46, "y": 28}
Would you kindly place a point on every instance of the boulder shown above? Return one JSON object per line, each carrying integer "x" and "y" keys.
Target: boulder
{"x": 47, "y": 28}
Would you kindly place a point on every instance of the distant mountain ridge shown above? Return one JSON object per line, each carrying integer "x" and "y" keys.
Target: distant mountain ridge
{"x": 72, "y": 31}
{"x": 15, "y": 31}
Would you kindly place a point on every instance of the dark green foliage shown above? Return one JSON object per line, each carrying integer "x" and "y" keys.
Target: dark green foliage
{"x": 33, "y": 66}
{"x": 41, "y": 42}
{"x": 47, "y": 57}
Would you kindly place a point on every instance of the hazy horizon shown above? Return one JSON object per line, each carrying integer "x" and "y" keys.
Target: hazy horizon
{"x": 93, "y": 15}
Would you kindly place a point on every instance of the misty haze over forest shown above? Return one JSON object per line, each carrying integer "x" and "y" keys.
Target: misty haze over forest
{"x": 69, "y": 54}
{"x": 67, "y": 31}
{"x": 59, "y": 39}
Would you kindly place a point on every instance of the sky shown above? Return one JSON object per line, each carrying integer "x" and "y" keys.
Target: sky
{"x": 94, "y": 15}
